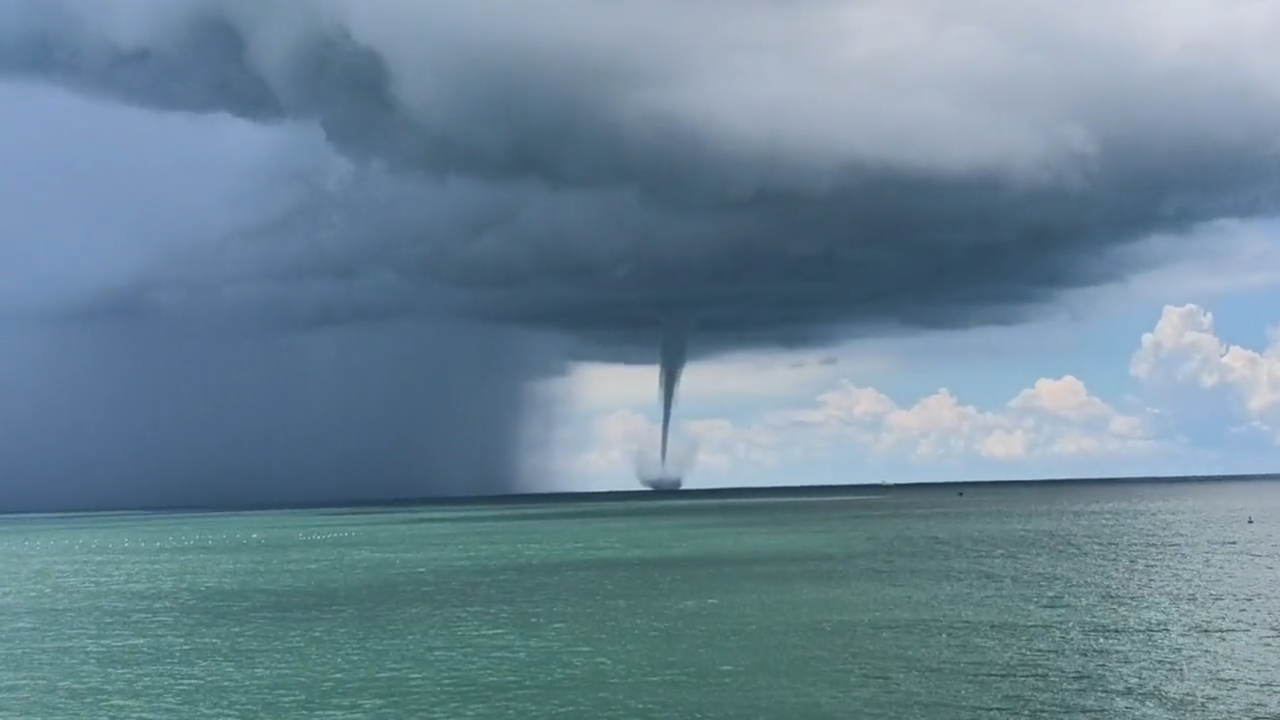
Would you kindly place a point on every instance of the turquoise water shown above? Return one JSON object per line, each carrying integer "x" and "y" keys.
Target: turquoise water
{"x": 1146, "y": 601}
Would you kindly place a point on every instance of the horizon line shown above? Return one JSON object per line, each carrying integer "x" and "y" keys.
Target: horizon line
{"x": 688, "y": 493}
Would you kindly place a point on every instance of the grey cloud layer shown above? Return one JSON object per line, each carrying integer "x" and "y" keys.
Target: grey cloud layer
{"x": 774, "y": 169}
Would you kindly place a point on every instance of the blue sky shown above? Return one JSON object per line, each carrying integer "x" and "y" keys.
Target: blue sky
{"x": 1207, "y": 400}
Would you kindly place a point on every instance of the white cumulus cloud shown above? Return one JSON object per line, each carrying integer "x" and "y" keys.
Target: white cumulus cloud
{"x": 1184, "y": 349}
{"x": 1053, "y": 417}
{"x": 619, "y": 438}
{"x": 1056, "y": 422}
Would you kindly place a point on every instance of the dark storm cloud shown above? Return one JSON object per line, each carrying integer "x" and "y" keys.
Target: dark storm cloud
{"x": 774, "y": 170}
{"x": 778, "y": 172}
{"x": 230, "y": 403}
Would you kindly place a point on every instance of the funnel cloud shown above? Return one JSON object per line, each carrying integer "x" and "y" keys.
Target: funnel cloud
{"x": 672, "y": 356}
{"x": 773, "y": 174}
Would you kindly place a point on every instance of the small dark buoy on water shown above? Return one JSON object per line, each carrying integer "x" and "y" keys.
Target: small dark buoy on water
{"x": 961, "y": 493}
{"x": 1250, "y": 520}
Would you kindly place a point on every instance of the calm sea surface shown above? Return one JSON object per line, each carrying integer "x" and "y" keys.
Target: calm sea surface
{"x": 1142, "y": 601}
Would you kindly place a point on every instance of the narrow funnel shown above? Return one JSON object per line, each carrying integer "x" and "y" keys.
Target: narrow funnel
{"x": 672, "y": 356}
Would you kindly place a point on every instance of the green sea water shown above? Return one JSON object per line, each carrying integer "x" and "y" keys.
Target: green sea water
{"x": 1121, "y": 601}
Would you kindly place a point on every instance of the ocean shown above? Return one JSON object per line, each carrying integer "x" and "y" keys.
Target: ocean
{"x": 1092, "y": 600}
